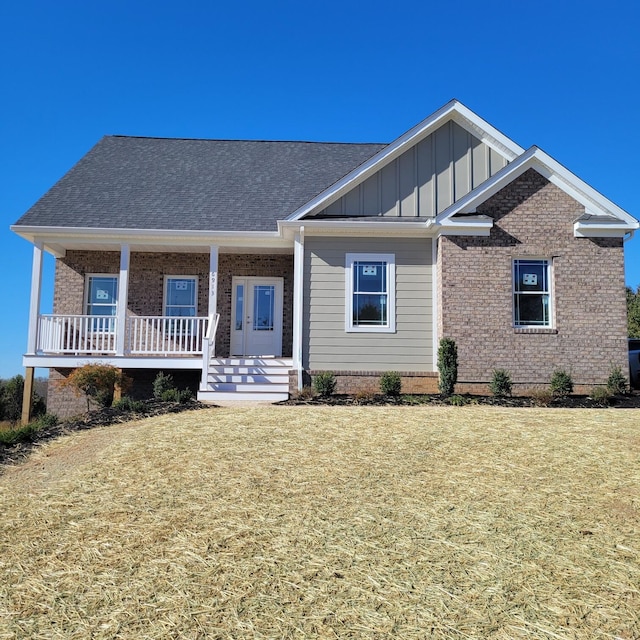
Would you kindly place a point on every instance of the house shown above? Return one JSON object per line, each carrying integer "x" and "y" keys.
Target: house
{"x": 245, "y": 267}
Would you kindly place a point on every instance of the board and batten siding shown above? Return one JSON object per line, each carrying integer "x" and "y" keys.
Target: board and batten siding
{"x": 326, "y": 344}
{"x": 425, "y": 180}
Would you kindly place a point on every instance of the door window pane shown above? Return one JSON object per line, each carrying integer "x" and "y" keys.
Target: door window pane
{"x": 263, "y": 307}
{"x": 239, "y": 306}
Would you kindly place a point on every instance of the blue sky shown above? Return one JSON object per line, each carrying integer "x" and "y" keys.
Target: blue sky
{"x": 562, "y": 75}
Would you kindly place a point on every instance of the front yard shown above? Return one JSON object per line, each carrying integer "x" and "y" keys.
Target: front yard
{"x": 328, "y": 522}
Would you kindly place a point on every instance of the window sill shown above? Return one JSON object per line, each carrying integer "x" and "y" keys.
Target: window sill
{"x": 543, "y": 330}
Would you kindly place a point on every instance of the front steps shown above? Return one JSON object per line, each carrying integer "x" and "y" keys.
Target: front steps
{"x": 247, "y": 380}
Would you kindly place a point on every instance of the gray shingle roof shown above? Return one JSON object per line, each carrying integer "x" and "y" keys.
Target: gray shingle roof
{"x": 184, "y": 184}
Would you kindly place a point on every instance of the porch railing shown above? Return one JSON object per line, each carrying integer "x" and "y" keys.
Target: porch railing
{"x": 166, "y": 335}
{"x": 77, "y": 334}
{"x": 147, "y": 335}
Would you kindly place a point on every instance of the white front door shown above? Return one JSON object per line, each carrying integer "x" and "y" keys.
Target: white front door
{"x": 256, "y": 317}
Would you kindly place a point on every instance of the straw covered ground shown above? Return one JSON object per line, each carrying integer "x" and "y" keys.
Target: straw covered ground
{"x": 328, "y": 522}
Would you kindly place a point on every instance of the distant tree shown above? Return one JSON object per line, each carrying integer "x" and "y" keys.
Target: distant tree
{"x": 11, "y": 398}
{"x": 633, "y": 312}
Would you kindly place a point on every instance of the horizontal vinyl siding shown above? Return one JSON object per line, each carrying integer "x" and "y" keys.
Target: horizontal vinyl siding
{"x": 326, "y": 344}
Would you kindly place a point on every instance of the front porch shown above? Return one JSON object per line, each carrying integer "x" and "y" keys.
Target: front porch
{"x": 119, "y": 307}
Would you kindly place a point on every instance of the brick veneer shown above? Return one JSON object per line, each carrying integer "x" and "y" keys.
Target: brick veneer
{"x": 533, "y": 219}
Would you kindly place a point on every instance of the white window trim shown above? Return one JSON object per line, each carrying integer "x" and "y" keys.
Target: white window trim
{"x": 164, "y": 292}
{"x": 87, "y": 278}
{"x": 390, "y": 259}
{"x": 550, "y": 293}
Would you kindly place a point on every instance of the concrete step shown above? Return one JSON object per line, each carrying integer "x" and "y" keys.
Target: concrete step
{"x": 242, "y": 387}
{"x": 249, "y": 379}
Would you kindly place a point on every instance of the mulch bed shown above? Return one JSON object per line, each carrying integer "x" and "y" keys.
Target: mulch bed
{"x": 90, "y": 420}
{"x": 627, "y": 401}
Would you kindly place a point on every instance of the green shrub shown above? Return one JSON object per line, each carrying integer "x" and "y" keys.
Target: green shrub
{"x": 27, "y": 432}
{"x": 458, "y": 400}
{"x": 324, "y": 383}
{"x": 46, "y": 420}
{"x": 447, "y": 366}
{"x": 500, "y": 385}
{"x": 185, "y": 396}
{"x": 170, "y": 395}
{"x": 127, "y": 403}
{"x": 561, "y": 383}
{"x": 390, "y": 383}
{"x": 616, "y": 382}
{"x": 601, "y": 395}
{"x": 163, "y": 382}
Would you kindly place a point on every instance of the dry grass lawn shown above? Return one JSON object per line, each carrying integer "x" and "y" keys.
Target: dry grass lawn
{"x": 328, "y": 522}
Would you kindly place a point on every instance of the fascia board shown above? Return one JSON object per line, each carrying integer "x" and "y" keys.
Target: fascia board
{"x": 453, "y": 110}
{"x": 554, "y": 172}
{"x": 354, "y": 228}
{"x": 68, "y": 236}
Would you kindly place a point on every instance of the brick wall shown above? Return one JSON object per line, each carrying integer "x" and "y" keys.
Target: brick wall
{"x": 533, "y": 219}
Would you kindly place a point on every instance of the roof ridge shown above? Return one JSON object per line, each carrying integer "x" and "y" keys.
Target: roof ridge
{"x": 131, "y": 137}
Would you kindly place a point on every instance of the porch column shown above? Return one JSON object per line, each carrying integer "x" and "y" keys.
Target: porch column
{"x": 123, "y": 296}
{"x": 298, "y": 283}
{"x": 213, "y": 280}
{"x": 34, "y": 305}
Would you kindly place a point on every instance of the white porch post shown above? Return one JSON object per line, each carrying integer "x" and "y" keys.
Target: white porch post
{"x": 298, "y": 283}
{"x": 123, "y": 296}
{"x": 213, "y": 280}
{"x": 34, "y": 305}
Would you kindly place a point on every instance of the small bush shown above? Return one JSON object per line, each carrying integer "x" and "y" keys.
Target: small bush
{"x": 129, "y": 404}
{"x": 163, "y": 382}
{"x": 541, "y": 397}
{"x": 97, "y": 382}
{"x": 170, "y": 395}
{"x": 46, "y": 420}
{"x": 616, "y": 382}
{"x": 364, "y": 397}
{"x": 390, "y": 383}
{"x": 500, "y": 385}
{"x": 561, "y": 383}
{"x": 306, "y": 393}
{"x": 185, "y": 396}
{"x": 324, "y": 383}
{"x": 447, "y": 366}
{"x": 458, "y": 400}
{"x": 26, "y": 433}
{"x": 601, "y": 395}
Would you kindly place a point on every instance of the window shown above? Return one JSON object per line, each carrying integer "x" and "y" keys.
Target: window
{"x": 531, "y": 293}
{"x": 181, "y": 296}
{"x": 370, "y": 292}
{"x": 101, "y": 295}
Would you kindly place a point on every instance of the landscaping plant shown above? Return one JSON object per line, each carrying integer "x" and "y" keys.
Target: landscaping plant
{"x": 324, "y": 383}
{"x": 616, "y": 382}
{"x": 561, "y": 383}
{"x": 447, "y": 366}
{"x": 391, "y": 383}
{"x": 97, "y": 382}
{"x": 500, "y": 385}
